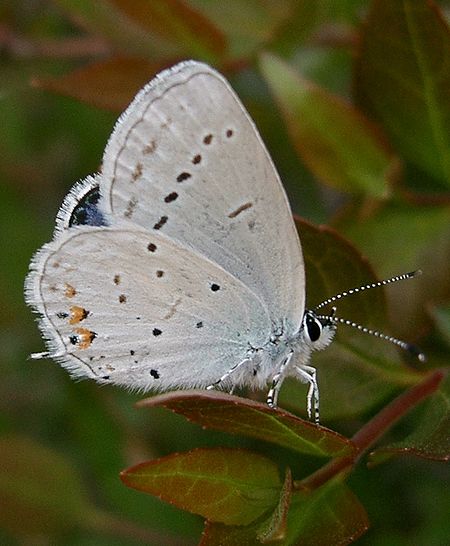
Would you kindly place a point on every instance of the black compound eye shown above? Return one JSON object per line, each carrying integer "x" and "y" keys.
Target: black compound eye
{"x": 314, "y": 328}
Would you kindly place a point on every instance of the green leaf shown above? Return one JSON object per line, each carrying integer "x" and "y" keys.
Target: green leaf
{"x": 303, "y": 20}
{"x": 330, "y": 515}
{"x": 335, "y": 141}
{"x": 403, "y": 79}
{"x": 236, "y": 415}
{"x": 121, "y": 76}
{"x": 217, "y": 534}
{"x": 431, "y": 438}
{"x": 178, "y": 23}
{"x": 274, "y": 529}
{"x": 271, "y": 530}
{"x": 230, "y": 486}
{"x": 262, "y": 21}
{"x": 40, "y": 492}
{"x": 441, "y": 316}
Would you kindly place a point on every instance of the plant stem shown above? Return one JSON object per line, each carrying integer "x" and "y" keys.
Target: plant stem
{"x": 373, "y": 429}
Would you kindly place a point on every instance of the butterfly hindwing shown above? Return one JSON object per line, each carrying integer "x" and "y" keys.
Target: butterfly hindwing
{"x": 126, "y": 306}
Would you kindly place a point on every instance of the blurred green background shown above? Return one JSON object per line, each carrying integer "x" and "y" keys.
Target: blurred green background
{"x": 64, "y": 443}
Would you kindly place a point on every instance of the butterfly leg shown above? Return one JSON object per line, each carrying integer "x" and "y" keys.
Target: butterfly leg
{"x": 227, "y": 374}
{"x": 308, "y": 375}
{"x": 277, "y": 380}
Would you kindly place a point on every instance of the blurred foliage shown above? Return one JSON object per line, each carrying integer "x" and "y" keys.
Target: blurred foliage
{"x": 352, "y": 100}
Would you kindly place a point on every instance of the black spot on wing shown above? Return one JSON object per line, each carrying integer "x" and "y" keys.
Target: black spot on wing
{"x": 171, "y": 197}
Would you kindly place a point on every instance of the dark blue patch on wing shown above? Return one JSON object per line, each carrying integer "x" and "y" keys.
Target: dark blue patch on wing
{"x": 86, "y": 211}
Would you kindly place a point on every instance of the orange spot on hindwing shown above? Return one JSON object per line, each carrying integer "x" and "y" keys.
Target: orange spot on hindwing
{"x": 77, "y": 314}
{"x": 69, "y": 291}
{"x": 85, "y": 337}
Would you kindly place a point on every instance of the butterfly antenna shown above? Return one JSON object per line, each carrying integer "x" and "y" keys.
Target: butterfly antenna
{"x": 412, "y": 349}
{"x": 337, "y": 297}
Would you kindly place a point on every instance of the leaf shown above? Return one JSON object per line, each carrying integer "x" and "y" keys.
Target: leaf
{"x": 330, "y": 515}
{"x": 304, "y": 18}
{"x": 441, "y": 316}
{"x": 431, "y": 438}
{"x": 237, "y": 415}
{"x": 274, "y": 529}
{"x": 179, "y": 23}
{"x": 40, "y": 492}
{"x": 122, "y": 77}
{"x": 408, "y": 91}
{"x": 271, "y": 530}
{"x": 217, "y": 534}
{"x": 262, "y": 22}
{"x": 102, "y": 18}
{"x": 335, "y": 141}
{"x": 230, "y": 486}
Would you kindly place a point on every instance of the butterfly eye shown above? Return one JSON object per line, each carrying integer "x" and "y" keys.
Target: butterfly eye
{"x": 313, "y": 327}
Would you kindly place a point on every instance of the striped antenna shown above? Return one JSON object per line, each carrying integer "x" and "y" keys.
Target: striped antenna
{"x": 337, "y": 297}
{"x": 412, "y": 349}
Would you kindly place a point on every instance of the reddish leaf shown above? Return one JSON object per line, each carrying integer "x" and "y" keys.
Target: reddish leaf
{"x": 231, "y": 486}
{"x": 177, "y": 22}
{"x": 408, "y": 91}
{"x": 431, "y": 438}
{"x": 120, "y": 77}
{"x": 241, "y": 416}
{"x": 127, "y": 37}
{"x": 335, "y": 141}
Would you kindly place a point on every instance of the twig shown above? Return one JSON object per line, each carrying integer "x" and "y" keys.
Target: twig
{"x": 373, "y": 429}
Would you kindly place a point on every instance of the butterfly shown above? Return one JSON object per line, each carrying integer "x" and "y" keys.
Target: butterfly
{"x": 179, "y": 264}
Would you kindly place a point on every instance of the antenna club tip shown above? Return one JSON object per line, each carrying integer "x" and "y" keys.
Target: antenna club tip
{"x": 416, "y": 273}
{"x": 417, "y": 353}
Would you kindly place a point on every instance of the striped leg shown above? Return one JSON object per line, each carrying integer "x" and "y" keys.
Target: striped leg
{"x": 308, "y": 375}
{"x": 277, "y": 381}
{"x": 227, "y": 375}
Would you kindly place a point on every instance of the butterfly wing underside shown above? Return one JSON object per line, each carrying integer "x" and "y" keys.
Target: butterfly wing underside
{"x": 186, "y": 160}
{"x": 125, "y": 306}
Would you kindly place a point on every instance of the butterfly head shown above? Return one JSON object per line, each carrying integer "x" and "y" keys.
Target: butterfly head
{"x": 318, "y": 330}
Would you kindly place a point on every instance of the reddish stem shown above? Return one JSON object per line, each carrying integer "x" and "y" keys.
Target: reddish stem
{"x": 373, "y": 429}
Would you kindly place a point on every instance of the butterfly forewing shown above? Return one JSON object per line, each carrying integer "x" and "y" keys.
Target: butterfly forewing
{"x": 186, "y": 160}
{"x": 122, "y": 305}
